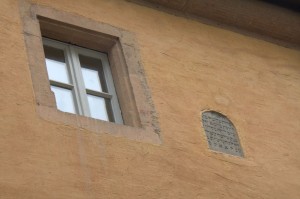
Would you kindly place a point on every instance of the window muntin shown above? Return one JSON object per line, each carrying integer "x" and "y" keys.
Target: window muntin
{"x": 81, "y": 81}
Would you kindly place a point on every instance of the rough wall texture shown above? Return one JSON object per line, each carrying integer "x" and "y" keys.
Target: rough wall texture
{"x": 190, "y": 67}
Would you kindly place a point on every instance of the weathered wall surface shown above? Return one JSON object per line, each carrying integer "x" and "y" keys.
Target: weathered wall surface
{"x": 190, "y": 67}
{"x": 259, "y": 16}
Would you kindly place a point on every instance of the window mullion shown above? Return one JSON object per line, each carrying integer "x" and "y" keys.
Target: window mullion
{"x": 73, "y": 78}
{"x": 79, "y": 82}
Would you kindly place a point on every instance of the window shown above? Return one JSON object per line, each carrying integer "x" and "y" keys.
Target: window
{"x": 68, "y": 79}
{"x": 81, "y": 81}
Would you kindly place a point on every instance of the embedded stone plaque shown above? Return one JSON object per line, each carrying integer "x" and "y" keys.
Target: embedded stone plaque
{"x": 221, "y": 133}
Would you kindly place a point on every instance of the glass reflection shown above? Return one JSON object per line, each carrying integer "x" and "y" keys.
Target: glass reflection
{"x": 64, "y": 99}
{"x": 91, "y": 79}
{"x": 56, "y": 66}
{"x": 92, "y": 73}
{"x": 97, "y": 107}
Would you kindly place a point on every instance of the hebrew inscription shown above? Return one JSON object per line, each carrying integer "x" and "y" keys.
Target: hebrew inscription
{"x": 221, "y": 133}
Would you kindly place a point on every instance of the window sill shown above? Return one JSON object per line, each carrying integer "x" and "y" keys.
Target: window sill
{"x": 51, "y": 114}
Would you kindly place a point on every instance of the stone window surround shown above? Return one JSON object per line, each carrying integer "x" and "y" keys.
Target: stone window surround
{"x": 141, "y": 122}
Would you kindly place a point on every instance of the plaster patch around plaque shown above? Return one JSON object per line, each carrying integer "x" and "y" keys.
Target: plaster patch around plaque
{"x": 221, "y": 133}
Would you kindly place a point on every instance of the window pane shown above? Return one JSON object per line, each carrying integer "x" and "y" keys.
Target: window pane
{"x": 91, "y": 79}
{"x": 64, "y": 99}
{"x": 56, "y": 66}
{"x": 97, "y": 107}
{"x": 92, "y": 73}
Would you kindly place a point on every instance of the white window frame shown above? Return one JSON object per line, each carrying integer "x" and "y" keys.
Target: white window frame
{"x": 77, "y": 86}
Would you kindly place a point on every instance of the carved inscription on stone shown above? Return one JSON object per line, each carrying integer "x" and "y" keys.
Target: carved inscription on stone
{"x": 221, "y": 134}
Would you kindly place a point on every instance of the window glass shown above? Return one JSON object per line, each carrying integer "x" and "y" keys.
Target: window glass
{"x": 91, "y": 79}
{"x": 64, "y": 99}
{"x": 97, "y": 107}
{"x": 56, "y": 66}
{"x": 92, "y": 73}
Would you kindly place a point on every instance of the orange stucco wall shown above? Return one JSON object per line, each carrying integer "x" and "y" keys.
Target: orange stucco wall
{"x": 190, "y": 67}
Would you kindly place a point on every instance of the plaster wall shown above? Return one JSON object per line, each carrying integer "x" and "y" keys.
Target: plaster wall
{"x": 190, "y": 67}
